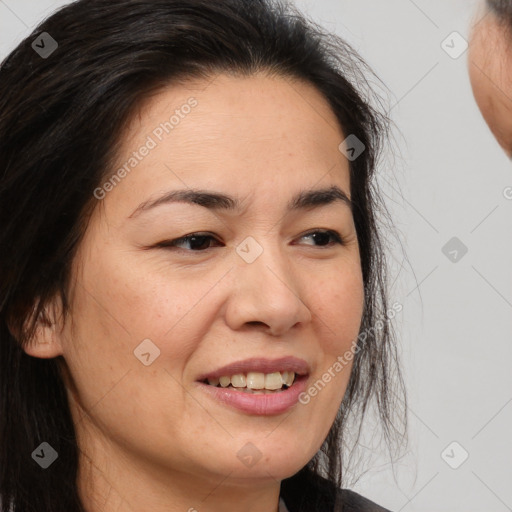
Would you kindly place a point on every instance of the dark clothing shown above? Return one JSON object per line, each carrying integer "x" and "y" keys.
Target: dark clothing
{"x": 301, "y": 492}
{"x": 353, "y": 502}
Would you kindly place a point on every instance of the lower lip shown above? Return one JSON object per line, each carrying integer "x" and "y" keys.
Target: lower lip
{"x": 262, "y": 405}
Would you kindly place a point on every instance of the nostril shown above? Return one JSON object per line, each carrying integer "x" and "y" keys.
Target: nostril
{"x": 256, "y": 322}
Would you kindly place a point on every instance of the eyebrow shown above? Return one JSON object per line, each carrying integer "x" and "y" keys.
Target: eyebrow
{"x": 303, "y": 200}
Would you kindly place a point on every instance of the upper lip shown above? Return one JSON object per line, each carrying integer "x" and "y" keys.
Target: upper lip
{"x": 262, "y": 365}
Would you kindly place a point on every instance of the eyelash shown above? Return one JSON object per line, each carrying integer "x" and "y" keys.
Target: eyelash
{"x": 172, "y": 243}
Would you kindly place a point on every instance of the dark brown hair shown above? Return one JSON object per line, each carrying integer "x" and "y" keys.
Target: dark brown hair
{"x": 60, "y": 120}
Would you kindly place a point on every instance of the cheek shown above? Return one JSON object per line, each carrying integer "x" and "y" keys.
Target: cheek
{"x": 338, "y": 308}
{"x": 338, "y": 303}
{"x": 137, "y": 299}
{"x": 116, "y": 309}
{"x": 116, "y": 305}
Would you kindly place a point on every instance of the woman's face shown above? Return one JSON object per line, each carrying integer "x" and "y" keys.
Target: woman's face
{"x": 149, "y": 319}
{"x": 490, "y": 71}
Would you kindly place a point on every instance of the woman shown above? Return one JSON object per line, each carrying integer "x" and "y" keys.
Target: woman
{"x": 490, "y": 70}
{"x": 187, "y": 208}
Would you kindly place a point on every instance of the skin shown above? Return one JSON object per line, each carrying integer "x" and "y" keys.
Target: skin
{"x": 149, "y": 438}
{"x": 490, "y": 72}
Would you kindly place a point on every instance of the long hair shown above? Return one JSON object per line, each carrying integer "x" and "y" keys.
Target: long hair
{"x": 62, "y": 109}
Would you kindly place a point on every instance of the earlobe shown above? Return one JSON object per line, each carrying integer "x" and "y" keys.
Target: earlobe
{"x": 45, "y": 343}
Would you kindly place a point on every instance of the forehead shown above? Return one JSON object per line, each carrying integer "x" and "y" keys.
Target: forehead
{"x": 256, "y": 107}
{"x": 258, "y": 132}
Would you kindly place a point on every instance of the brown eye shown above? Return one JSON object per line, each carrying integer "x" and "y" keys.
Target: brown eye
{"x": 323, "y": 236}
{"x": 197, "y": 242}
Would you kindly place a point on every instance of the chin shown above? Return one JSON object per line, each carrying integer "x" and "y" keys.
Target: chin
{"x": 265, "y": 471}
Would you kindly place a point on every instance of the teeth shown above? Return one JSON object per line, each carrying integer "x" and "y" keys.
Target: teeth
{"x": 238, "y": 380}
{"x": 225, "y": 381}
{"x": 288, "y": 378}
{"x": 255, "y": 381}
{"x": 273, "y": 381}
{"x": 214, "y": 381}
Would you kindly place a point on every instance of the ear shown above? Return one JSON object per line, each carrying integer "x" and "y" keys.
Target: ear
{"x": 46, "y": 342}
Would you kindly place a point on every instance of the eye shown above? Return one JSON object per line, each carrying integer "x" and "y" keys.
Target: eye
{"x": 199, "y": 242}
{"x": 322, "y": 236}
{"x": 196, "y": 240}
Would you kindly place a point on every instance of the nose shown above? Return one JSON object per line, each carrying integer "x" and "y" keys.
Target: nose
{"x": 267, "y": 291}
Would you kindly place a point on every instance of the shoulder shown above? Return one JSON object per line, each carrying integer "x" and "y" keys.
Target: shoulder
{"x": 307, "y": 491}
{"x": 354, "y": 502}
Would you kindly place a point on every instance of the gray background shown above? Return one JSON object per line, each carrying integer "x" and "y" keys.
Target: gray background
{"x": 450, "y": 179}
